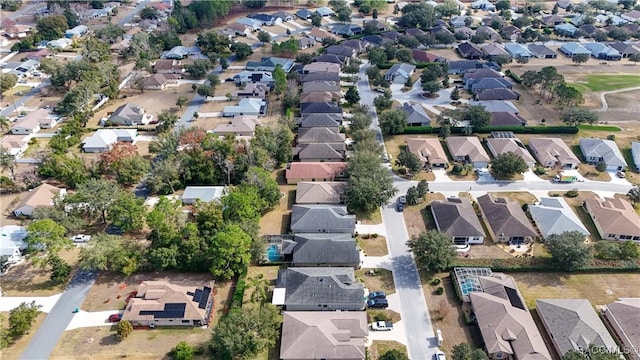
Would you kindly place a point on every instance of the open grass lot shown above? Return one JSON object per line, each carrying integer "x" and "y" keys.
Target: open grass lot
{"x": 7, "y": 204}
{"x": 38, "y": 147}
{"x": 381, "y": 281}
{"x": 379, "y": 347}
{"x": 600, "y": 288}
{"x": 418, "y": 217}
{"x": 373, "y": 246}
{"x": 25, "y": 279}
{"x": 606, "y": 82}
{"x": 447, "y": 313}
{"x": 277, "y": 221}
{"x": 369, "y": 218}
{"x": 101, "y": 343}
{"x": 14, "y": 351}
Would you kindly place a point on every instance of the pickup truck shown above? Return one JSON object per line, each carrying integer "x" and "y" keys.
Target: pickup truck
{"x": 382, "y": 326}
{"x": 565, "y": 178}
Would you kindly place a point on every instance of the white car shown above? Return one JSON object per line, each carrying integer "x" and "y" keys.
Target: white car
{"x": 81, "y": 238}
{"x": 439, "y": 356}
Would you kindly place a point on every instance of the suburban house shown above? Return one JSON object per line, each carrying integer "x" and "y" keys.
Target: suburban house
{"x": 464, "y": 33}
{"x": 260, "y": 77}
{"x": 552, "y": 20}
{"x": 474, "y": 75}
{"x": 565, "y": 30}
{"x": 240, "y": 125}
{"x": 319, "y": 96}
{"x": 596, "y": 151}
{"x": 496, "y": 94}
{"x": 161, "y": 81}
{"x": 130, "y": 114}
{"x": 497, "y": 106}
{"x": 424, "y": 56}
{"x": 270, "y": 63}
{"x": 625, "y": 49}
{"x": 553, "y": 153}
{"x": 168, "y": 66}
{"x": 26, "y": 67}
{"x": 469, "y": 51}
{"x": 504, "y": 118}
{"x": 29, "y": 124}
{"x": 614, "y": 218}
{"x": 322, "y": 250}
{"x": 331, "y": 336}
{"x": 623, "y": 317}
{"x": 42, "y": 196}
{"x": 553, "y": 215}
{"x": 468, "y": 149}
{"x": 359, "y": 45}
{"x": 76, "y": 32}
{"x": 456, "y": 218}
{"x": 329, "y": 121}
{"x": 12, "y": 242}
{"x": 429, "y": 150}
{"x": 635, "y": 153}
{"x": 542, "y": 52}
{"x": 266, "y": 19}
{"x": 320, "y": 152}
{"x": 319, "y": 34}
{"x": 380, "y": 26}
{"x": 322, "y": 219}
{"x": 255, "y": 24}
{"x": 319, "y": 135}
{"x": 181, "y": 52}
{"x": 252, "y": 90}
{"x": 318, "y": 289}
{"x": 104, "y": 139}
{"x": 239, "y": 29}
{"x": 573, "y": 324}
{"x": 314, "y": 171}
{"x": 344, "y": 51}
{"x": 602, "y": 51}
{"x": 416, "y": 115}
{"x": 572, "y": 49}
{"x": 304, "y": 14}
{"x": 194, "y": 194}
{"x": 510, "y": 32}
{"x": 305, "y": 43}
{"x": 325, "y": 192}
{"x": 324, "y": 11}
{"x": 322, "y": 76}
{"x": 480, "y": 85}
{"x": 160, "y": 303}
{"x": 14, "y": 144}
{"x": 60, "y": 44}
{"x": 485, "y": 5}
{"x": 514, "y": 145}
{"x": 346, "y": 30}
{"x": 462, "y": 66}
{"x": 321, "y": 67}
{"x": 312, "y": 86}
{"x": 283, "y": 15}
{"x": 246, "y": 106}
{"x": 493, "y": 51}
{"x": 399, "y": 73}
{"x": 507, "y": 328}
{"x": 506, "y": 221}
{"x": 518, "y": 51}
{"x": 320, "y": 108}
{"x": 489, "y": 32}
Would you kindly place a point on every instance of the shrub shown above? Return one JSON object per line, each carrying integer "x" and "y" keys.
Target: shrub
{"x": 365, "y": 236}
{"x": 374, "y": 235}
{"x": 457, "y": 169}
{"x": 611, "y": 137}
{"x": 124, "y": 329}
{"x": 540, "y": 170}
{"x": 182, "y": 351}
{"x": 440, "y": 290}
{"x": 402, "y": 171}
{"x": 381, "y": 316}
{"x": 238, "y": 294}
{"x": 515, "y": 77}
{"x": 436, "y": 281}
{"x": 601, "y": 167}
{"x": 571, "y": 193}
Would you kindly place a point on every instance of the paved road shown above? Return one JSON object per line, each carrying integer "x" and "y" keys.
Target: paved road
{"x": 51, "y": 330}
{"x": 133, "y": 13}
{"x": 15, "y": 103}
{"x": 413, "y": 306}
{"x": 605, "y": 106}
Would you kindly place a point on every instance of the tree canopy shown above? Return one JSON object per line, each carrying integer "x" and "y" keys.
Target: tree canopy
{"x": 506, "y": 165}
{"x": 370, "y": 185}
{"x": 393, "y": 121}
{"x": 568, "y": 250}
{"x": 433, "y": 251}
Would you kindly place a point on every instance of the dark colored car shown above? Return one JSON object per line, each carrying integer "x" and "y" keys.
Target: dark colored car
{"x": 115, "y": 317}
{"x": 402, "y": 199}
{"x": 400, "y": 207}
{"x": 377, "y": 304}
{"x": 377, "y": 295}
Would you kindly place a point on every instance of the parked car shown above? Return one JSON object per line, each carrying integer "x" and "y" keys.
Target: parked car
{"x": 377, "y": 295}
{"x": 377, "y": 304}
{"x": 115, "y": 317}
{"x": 621, "y": 174}
{"x": 81, "y": 238}
{"x": 439, "y": 356}
{"x": 402, "y": 199}
{"x": 382, "y": 326}
{"x": 400, "y": 207}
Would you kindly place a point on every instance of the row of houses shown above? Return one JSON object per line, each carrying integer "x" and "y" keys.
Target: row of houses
{"x": 509, "y": 331}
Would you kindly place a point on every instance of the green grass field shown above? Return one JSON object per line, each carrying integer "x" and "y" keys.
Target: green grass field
{"x": 599, "y": 128}
{"x": 604, "y": 82}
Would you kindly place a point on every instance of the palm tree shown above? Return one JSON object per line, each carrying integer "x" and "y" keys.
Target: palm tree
{"x": 8, "y": 162}
{"x": 260, "y": 287}
{"x": 634, "y": 195}
{"x": 5, "y": 123}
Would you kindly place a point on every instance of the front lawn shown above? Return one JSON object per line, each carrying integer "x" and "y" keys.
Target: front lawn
{"x": 382, "y": 280}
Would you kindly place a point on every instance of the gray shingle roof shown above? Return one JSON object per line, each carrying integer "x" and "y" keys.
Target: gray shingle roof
{"x": 456, "y": 217}
{"x": 505, "y": 217}
{"x": 319, "y": 135}
{"x": 606, "y": 149}
{"x": 415, "y": 113}
{"x": 336, "y": 249}
{"x": 554, "y": 216}
{"x": 322, "y": 219}
{"x": 573, "y": 324}
{"x": 320, "y": 120}
{"x": 320, "y": 108}
{"x": 310, "y": 286}
{"x": 321, "y": 151}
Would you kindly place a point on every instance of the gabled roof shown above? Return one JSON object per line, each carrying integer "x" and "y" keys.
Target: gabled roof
{"x": 324, "y": 11}
{"x": 31, "y": 120}
{"x": 552, "y": 19}
{"x": 129, "y": 111}
{"x": 322, "y": 67}
{"x": 329, "y": 192}
{"x": 401, "y": 69}
{"x": 505, "y": 217}
{"x": 554, "y": 216}
{"x": 456, "y": 217}
{"x": 415, "y": 113}
{"x": 203, "y": 193}
{"x": 320, "y": 108}
{"x": 327, "y": 249}
{"x": 320, "y": 33}
{"x": 319, "y": 135}
{"x": 481, "y": 73}
{"x": 501, "y": 146}
{"x": 635, "y": 153}
{"x": 467, "y": 49}
{"x": 282, "y": 15}
{"x": 271, "y": 62}
{"x": 541, "y": 50}
{"x": 104, "y": 138}
{"x": 249, "y": 21}
{"x": 332, "y": 58}
{"x": 315, "y": 170}
{"x": 43, "y": 195}
{"x": 606, "y": 149}
{"x": 246, "y": 105}
{"x": 320, "y": 120}
{"x": 321, "y": 76}
{"x": 599, "y": 49}
{"x": 624, "y": 48}
{"x": 345, "y": 29}
{"x": 499, "y": 94}
{"x": 340, "y": 50}
{"x": 320, "y": 285}
{"x": 503, "y": 118}
{"x": 566, "y": 28}
{"x": 320, "y": 151}
{"x": 429, "y": 150}
{"x": 613, "y": 216}
{"x": 517, "y": 50}
{"x": 356, "y": 44}
{"x": 552, "y": 149}
{"x": 494, "y": 50}
{"x": 467, "y": 146}
{"x": 625, "y": 314}
{"x": 424, "y": 56}
{"x": 573, "y": 324}
{"x": 414, "y": 32}
{"x": 311, "y": 86}
{"x": 314, "y": 335}
{"x": 11, "y": 238}
{"x": 497, "y": 106}
{"x": 317, "y": 96}
{"x": 574, "y": 48}
{"x": 304, "y": 13}
{"x": 321, "y": 218}
{"x": 490, "y": 83}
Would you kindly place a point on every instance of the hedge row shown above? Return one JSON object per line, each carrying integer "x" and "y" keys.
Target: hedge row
{"x": 489, "y": 129}
{"x": 238, "y": 293}
{"x": 531, "y": 264}
{"x": 515, "y": 77}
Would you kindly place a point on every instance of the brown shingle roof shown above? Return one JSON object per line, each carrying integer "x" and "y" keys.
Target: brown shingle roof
{"x": 329, "y": 192}
{"x": 315, "y": 170}
{"x": 505, "y": 217}
{"x": 428, "y": 150}
{"x": 614, "y": 216}
{"x": 43, "y": 195}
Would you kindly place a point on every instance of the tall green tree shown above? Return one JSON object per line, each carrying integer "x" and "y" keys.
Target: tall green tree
{"x": 230, "y": 252}
{"x": 8, "y": 163}
{"x": 506, "y": 165}
{"x": 245, "y": 332}
{"x": 48, "y": 236}
{"x": 634, "y": 195}
{"x": 393, "y": 121}
{"x": 7, "y": 81}
{"x": 433, "y": 251}
{"x": 112, "y": 253}
{"x": 21, "y": 319}
{"x": 52, "y": 27}
{"x": 464, "y": 351}
{"x": 241, "y": 50}
{"x": 579, "y": 115}
{"x": 370, "y": 185}
{"x": 127, "y": 212}
{"x": 280, "y": 79}
{"x": 95, "y": 197}
{"x": 393, "y": 354}
{"x": 265, "y": 183}
{"x": 580, "y": 58}
{"x": 352, "y": 96}
{"x": 568, "y": 250}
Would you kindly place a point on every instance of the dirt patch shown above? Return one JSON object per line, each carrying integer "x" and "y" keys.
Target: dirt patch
{"x": 521, "y": 197}
{"x": 14, "y": 351}
{"x": 101, "y": 343}
{"x": 447, "y": 313}
{"x": 381, "y": 280}
{"x": 419, "y": 218}
{"x": 590, "y": 172}
{"x": 373, "y": 246}
{"x": 25, "y": 279}
{"x": 600, "y": 289}
{"x": 7, "y": 203}
{"x": 488, "y": 250}
{"x": 379, "y": 347}
{"x": 278, "y": 220}
{"x": 623, "y": 101}
{"x": 269, "y": 273}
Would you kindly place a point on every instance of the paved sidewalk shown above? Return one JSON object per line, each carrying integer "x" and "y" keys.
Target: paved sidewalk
{"x": 379, "y": 229}
{"x": 84, "y": 319}
{"x": 11, "y": 302}
{"x": 376, "y": 262}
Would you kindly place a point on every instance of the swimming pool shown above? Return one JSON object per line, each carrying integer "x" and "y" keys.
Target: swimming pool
{"x": 273, "y": 253}
{"x": 466, "y": 287}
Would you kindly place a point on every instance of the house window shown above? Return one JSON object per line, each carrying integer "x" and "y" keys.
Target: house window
{"x": 186, "y": 321}
{"x": 611, "y": 236}
{"x": 636, "y": 238}
{"x": 499, "y": 355}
